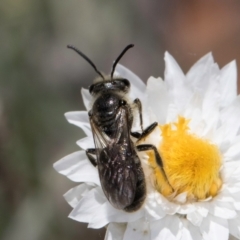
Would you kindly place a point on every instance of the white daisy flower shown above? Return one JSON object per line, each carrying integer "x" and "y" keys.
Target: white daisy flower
{"x": 198, "y": 138}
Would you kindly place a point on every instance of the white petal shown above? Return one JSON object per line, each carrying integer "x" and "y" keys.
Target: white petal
{"x": 166, "y": 228}
{"x": 74, "y": 195}
{"x": 115, "y": 231}
{"x": 195, "y": 218}
{"x": 210, "y": 107}
{"x": 168, "y": 207}
{"x": 222, "y": 210}
{"x": 224, "y": 196}
{"x": 230, "y": 119}
{"x": 181, "y": 198}
{"x": 158, "y": 98}
{"x": 201, "y": 73}
{"x": 173, "y": 73}
{"x": 153, "y": 208}
{"x": 230, "y": 171}
{"x": 180, "y": 94}
{"x": 88, "y": 206}
{"x": 107, "y": 213}
{"x": 202, "y": 208}
{"x": 228, "y": 83}
{"x": 214, "y": 228}
{"x": 77, "y": 168}
{"x": 80, "y": 119}
{"x": 190, "y": 232}
{"x": 138, "y": 230}
{"x": 97, "y": 211}
{"x": 233, "y": 152}
{"x": 195, "y": 74}
{"x": 138, "y": 87}
{"x": 234, "y": 227}
{"x": 87, "y": 98}
{"x": 86, "y": 142}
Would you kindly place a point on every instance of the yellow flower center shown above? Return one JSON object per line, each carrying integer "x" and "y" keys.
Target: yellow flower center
{"x": 191, "y": 164}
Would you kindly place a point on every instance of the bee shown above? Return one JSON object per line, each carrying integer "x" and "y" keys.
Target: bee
{"x": 115, "y": 154}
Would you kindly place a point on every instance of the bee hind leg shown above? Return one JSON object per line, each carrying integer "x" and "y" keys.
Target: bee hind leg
{"x": 89, "y": 153}
{"x": 147, "y": 147}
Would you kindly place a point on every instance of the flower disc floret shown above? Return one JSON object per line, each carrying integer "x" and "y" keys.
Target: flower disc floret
{"x": 191, "y": 164}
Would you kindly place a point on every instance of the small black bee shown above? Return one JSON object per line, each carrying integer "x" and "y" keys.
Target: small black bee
{"x": 111, "y": 119}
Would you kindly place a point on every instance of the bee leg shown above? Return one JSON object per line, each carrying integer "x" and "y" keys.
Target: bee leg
{"x": 147, "y": 147}
{"x": 89, "y": 153}
{"x": 145, "y": 132}
{"x": 136, "y": 134}
{"x": 139, "y": 106}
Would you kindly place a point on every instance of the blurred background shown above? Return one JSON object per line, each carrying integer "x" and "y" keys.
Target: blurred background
{"x": 40, "y": 80}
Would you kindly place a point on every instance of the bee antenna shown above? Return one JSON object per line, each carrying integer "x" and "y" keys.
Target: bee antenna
{"x": 86, "y": 58}
{"x": 119, "y": 57}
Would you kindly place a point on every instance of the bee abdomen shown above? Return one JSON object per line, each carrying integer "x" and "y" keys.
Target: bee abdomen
{"x": 140, "y": 193}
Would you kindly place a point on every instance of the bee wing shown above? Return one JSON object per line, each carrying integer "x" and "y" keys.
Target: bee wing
{"x": 116, "y": 159}
{"x": 101, "y": 140}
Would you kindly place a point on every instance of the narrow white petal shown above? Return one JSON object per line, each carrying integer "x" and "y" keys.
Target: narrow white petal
{"x": 87, "y": 98}
{"x": 228, "y": 83}
{"x": 167, "y": 228}
{"x": 197, "y": 72}
{"x": 223, "y": 210}
{"x": 233, "y": 152}
{"x": 80, "y": 119}
{"x": 234, "y": 227}
{"x": 137, "y": 85}
{"x": 230, "y": 119}
{"x": 115, "y": 231}
{"x": 107, "y": 213}
{"x": 230, "y": 171}
{"x": 202, "y": 208}
{"x": 138, "y": 230}
{"x": 210, "y": 107}
{"x": 173, "y": 73}
{"x": 74, "y": 195}
{"x": 158, "y": 98}
{"x": 190, "y": 232}
{"x": 179, "y": 92}
{"x": 195, "y": 218}
{"x": 77, "y": 168}
{"x": 186, "y": 234}
{"x": 89, "y": 206}
{"x": 86, "y": 143}
{"x": 214, "y": 228}
{"x": 181, "y": 198}
{"x": 153, "y": 208}
{"x": 224, "y": 196}
{"x": 95, "y": 209}
{"x": 168, "y": 207}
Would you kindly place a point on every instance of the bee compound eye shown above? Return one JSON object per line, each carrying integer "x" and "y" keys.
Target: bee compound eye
{"x": 122, "y": 102}
{"x": 91, "y": 88}
{"x": 126, "y": 83}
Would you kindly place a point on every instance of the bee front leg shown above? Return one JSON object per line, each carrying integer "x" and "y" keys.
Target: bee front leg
{"x": 139, "y": 106}
{"x": 89, "y": 153}
{"x": 145, "y": 132}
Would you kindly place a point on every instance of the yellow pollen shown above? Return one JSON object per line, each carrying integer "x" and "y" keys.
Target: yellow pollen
{"x": 191, "y": 164}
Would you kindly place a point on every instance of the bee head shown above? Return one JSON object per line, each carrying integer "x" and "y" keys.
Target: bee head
{"x": 110, "y": 84}
{"x": 118, "y": 84}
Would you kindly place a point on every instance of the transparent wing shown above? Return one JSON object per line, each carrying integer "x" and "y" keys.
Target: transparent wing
{"x": 116, "y": 159}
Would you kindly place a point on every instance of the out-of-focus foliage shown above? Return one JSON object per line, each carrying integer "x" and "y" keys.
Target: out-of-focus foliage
{"x": 40, "y": 80}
